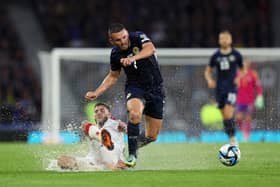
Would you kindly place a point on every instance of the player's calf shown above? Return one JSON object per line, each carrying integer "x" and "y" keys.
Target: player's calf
{"x": 230, "y": 127}
{"x": 142, "y": 140}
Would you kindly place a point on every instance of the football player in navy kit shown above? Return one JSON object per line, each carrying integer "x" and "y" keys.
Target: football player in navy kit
{"x": 226, "y": 60}
{"x": 135, "y": 54}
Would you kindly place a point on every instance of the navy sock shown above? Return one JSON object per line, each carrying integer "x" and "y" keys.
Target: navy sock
{"x": 229, "y": 126}
{"x": 132, "y": 133}
{"x": 143, "y": 140}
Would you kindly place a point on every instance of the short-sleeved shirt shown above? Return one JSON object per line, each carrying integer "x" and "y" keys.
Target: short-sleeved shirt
{"x": 143, "y": 73}
{"x": 226, "y": 66}
{"x": 143, "y": 77}
{"x": 101, "y": 153}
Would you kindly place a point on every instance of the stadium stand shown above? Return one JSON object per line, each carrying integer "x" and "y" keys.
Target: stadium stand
{"x": 195, "y": 24}
{"x": 66, "y": 23}
{"x": 20, "y": 95}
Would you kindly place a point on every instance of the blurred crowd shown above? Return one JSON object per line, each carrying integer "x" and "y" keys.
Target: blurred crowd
{"x": 20, "y": 94}
{"x": 83, "y": 23}
{"x": 181, "y": 23}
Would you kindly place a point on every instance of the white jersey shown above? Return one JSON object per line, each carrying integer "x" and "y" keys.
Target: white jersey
{"x": 101, "y": 153}
{"x": 99, "y": 157}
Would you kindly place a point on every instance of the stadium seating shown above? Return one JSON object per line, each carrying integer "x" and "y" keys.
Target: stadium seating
{"x": 20, "y": 95}
{"x": 195, "y": 24}
{"x": 66, "y": 23}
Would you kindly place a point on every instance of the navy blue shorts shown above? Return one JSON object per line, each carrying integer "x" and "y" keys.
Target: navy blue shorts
{"x": 153, "y": 100}
{"x": 228, "y": 98}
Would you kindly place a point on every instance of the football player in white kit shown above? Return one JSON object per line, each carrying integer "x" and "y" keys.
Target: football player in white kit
{"x": 106, "y": 144}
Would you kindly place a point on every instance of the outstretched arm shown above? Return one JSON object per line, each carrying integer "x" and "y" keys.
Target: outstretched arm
{"x": 147, "y": 51}
{"x": 108, "y": 81}
{"x": 90, "y": 130}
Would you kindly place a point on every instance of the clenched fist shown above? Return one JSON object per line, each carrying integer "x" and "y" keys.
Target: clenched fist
{"x": 91, "y": 95}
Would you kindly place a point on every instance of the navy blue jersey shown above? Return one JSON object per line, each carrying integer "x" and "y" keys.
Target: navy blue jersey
{"x": 226, "y": 68}
{"x": 144, "y": 73}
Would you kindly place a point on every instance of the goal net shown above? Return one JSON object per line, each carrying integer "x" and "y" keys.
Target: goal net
{"x": 69, "y": 73}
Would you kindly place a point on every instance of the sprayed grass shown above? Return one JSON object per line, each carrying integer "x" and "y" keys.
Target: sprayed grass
{"x": 159, "y": 165}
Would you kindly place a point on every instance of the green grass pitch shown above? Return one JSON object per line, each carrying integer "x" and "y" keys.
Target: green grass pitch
{"x": 162, "y": 165}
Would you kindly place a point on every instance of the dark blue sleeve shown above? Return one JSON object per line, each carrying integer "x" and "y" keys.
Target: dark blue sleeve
{"x": 212, "y": 61}
{"x": 115, "y": 61}
{"x": 141, "y": 37}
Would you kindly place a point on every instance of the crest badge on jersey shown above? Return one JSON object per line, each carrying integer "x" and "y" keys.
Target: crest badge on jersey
{"x": 135, "y": 50}
{"x": 231, "y": 58}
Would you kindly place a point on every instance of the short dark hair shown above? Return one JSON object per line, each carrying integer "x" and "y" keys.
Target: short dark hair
{"x": 225, "y": 32}
{"x": 115, "y": 27}
{"x": 103, "y": 104}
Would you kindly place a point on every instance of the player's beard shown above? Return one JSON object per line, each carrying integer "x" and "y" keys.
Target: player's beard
{"x": 125, "y": 46}
{"x": 225, "y": 46}
{"x": 102, "y": 122}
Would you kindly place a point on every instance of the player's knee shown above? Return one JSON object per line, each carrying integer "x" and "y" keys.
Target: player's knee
{"x": 228, "y": 112}
{"x": 227, "y": 116}
{"x": 135, "y": 117}
{"x": 238, "y": 118}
